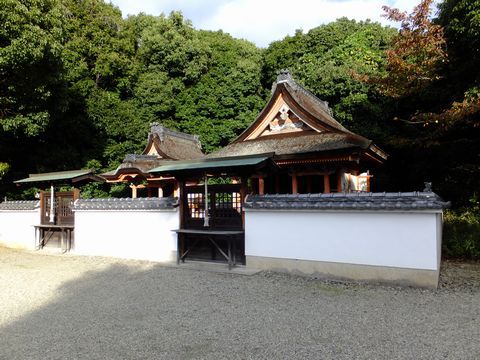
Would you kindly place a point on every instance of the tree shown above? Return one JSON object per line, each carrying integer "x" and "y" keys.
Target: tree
{"x": 416, "y": 55}
{"x": 31, "y": 66}
{"x": 461, "y": 22}
{"x": 201, "y": 82}
{"x": 328, "y": 59}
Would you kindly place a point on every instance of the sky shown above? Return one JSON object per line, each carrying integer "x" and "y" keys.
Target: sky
{"x": 264, "y": 21}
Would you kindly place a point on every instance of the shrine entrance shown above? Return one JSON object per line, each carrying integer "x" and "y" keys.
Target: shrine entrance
{"x": 57, "y": 220}
{"x": 212, "y": 224}
{"x": 56, "y": 225}
{"x": 211, "y": 215}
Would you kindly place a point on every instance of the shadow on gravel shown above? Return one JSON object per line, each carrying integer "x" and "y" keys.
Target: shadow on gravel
{"x": 131, "y": 312}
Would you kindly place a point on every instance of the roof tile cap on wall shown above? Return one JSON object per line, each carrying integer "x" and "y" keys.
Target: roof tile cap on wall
{"x": 126, "y": 204}
{"x": 20, "y": 205}
{"x": 349, "y": 201}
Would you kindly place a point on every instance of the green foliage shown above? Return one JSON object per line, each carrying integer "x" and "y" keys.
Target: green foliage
{"x": 78, "y": 82}
{"x": 94, "y": 190}
{"x": 462, "y": 232}
{"x": 201, "y": 82}
{"x": 329, "y": 60}
{"x": 30, "y": 65}
{"x": 4, "y": 167}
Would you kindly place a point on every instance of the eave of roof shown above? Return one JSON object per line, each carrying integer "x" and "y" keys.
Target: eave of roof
{"x": 71, "y": 176}
{"x": 295, "y": 145}
{"x": 216, "y": 165}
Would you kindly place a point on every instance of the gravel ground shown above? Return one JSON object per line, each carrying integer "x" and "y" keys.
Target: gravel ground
{"x": 71, "y": 307}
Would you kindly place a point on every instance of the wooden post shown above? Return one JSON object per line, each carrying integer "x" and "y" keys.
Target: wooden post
{"x": 183, "y": 208}
{"x": 160, "y": 192}
{"x": 340, "y": 174}
{"x": 134, "y": 191}
{"x": 42, "y": 207}
{"x": 176, "y": 190}
{"x": 294, "y": 184}
{"x": 243, "y": 194}
{"x": 261, "y": 185}
{"x": 76, "y": 194}
{"x": 52, "y": 204}
{"x": 277, "y": 184}
{"x": 326, "y": 184}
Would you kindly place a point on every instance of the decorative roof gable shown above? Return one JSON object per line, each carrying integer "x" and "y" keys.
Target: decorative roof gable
{"x": 295, "y": 122}
{"x": 292, "y": 109}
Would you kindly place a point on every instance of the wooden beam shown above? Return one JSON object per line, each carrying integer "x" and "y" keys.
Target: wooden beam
{"x": 326, "y": 184}
{"x": 313, "y": 172}
{"x": 294, "y": 184}
{"x": 261, "y": 185}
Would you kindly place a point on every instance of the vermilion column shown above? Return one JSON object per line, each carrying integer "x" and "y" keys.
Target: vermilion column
{"x": 261, "y": 185}
{"x": 326, "y": 183}
{"x": 294, "y": 184}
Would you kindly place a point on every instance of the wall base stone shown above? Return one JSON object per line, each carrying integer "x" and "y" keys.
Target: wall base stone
{"x": 341, "y": 271}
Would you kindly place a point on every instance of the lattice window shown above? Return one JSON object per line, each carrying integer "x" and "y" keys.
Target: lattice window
{"x": 196, "y": 205}
{"x": 66, "y": 205}
{"x": 228, "y": 204}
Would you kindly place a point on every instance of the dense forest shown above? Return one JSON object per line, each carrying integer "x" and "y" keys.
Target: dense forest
{"x": 79, "y": 86}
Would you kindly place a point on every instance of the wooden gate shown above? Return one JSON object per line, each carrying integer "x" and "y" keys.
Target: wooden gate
{"x": 223, "y": 239}
{"x": 63, "y": 205}
{"x": 224, "y": 206}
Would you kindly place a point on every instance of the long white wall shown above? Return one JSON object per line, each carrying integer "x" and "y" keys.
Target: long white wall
{"x": 16, "y": 228}
{"x": 130, "y": 234}
{"x": 409, "y": 240}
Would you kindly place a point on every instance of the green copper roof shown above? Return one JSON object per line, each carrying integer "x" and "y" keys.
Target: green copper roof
{"x": 59, "y": 176}
{"x": 228, "y": 163}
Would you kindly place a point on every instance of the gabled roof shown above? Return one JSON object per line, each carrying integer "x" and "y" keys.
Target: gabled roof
{"x": 173, "y": 145}
{"x": 295, "y": 121}
{"x": 163, "y": 146}
{"x": 64, "y": 177}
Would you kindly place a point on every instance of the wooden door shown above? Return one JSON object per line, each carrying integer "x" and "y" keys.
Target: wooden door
{"x": 224, "y": 205}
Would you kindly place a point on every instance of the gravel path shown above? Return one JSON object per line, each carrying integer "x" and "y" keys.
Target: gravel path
{"x": 69, "y": 307}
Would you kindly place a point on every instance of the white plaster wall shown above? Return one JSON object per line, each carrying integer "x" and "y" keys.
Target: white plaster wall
{"x": 143, "y": 235}
{"x": 16, "y": 228}
{"x": 404, "y": 240}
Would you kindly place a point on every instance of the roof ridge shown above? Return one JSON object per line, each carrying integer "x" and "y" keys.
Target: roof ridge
{"x": 161, "y": 131}
{"x": 285, "y": 76}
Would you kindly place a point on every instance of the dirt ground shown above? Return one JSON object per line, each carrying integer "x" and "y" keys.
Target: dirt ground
{"x": 73, "y": 307}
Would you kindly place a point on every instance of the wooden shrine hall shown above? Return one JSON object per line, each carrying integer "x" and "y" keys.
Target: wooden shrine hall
{"x": 293, "y": 146}
{"x": 163, "y": 147}
{"x": 314, "y": 153}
